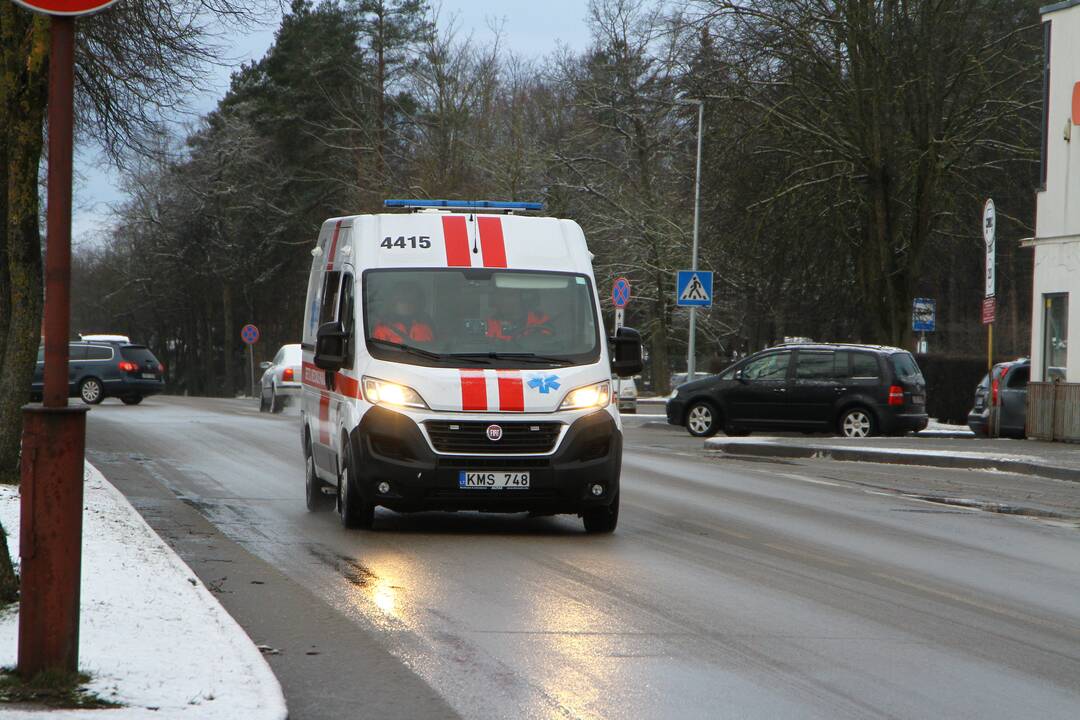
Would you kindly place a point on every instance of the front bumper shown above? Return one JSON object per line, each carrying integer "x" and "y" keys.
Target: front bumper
{"x": 675, "y": 410}
{"x": 392, "y": 449}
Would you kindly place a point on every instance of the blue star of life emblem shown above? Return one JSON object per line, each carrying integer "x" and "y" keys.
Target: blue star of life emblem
{"x": 544, "y": 383}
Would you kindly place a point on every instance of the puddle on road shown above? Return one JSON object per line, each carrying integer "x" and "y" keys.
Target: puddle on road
{"x": 354, "y": 572}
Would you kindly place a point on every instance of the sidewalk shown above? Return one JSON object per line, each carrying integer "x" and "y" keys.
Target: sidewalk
{"x": 152, "y": 637}
{"x": 1060, "y": 461}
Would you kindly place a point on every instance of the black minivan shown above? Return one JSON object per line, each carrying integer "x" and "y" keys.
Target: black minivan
{"x": 853, "y": 390}
{"x": 97, "y": 370}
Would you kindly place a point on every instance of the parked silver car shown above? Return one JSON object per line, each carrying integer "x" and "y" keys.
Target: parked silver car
{"x": 627, "y": 393}
{"x": 281, "y": 379}
{"x": 1005, "y": 387}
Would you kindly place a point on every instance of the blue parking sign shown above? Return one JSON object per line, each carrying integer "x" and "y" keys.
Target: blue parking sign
{"x": 694, "y": 288}
{"x": 924, "y": 315}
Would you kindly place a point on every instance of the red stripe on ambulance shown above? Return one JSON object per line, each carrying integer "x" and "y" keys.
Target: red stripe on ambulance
{"x": 491, "y": 241}
{"x": 324, "y": 419}
{"x": 473, "y": 390}
{"x": 511, "y": 392}
{"x": 333, "y": 247}
{"x": 456, "y": 239}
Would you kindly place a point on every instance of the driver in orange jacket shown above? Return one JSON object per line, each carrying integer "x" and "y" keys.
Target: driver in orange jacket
{"x": 404, "y": 323}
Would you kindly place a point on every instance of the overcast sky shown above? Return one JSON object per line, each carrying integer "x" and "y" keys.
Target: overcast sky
{"x": 530, "y": 29}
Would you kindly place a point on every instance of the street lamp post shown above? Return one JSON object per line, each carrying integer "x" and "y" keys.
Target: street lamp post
{"x": 691, "y": 349}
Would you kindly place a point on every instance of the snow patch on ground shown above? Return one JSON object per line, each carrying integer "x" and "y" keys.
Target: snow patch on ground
{"x": 939, "y": 428}
{"x": 869, "y": 449}
{"x": 152, "y": 636}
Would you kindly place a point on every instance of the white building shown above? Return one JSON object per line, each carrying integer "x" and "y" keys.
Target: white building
{"x": 1056, "y": 301}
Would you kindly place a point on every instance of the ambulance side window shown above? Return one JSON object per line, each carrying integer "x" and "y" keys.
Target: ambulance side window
{"x": 331, "y": 285}
{"x": 346, "y": 315}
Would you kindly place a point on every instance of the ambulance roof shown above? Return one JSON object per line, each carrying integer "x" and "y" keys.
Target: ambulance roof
{"x": 438, "y": 238}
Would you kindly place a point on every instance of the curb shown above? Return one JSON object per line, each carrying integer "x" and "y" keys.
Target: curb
{"x": 896, "y": 457}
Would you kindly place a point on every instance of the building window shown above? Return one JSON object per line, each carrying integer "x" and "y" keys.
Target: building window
{"x": 1045, "y": 104}
{"x": 1055, "y": 335}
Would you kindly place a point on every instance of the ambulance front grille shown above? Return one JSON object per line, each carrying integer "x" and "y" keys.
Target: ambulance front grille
{"x": 472, "y": 437}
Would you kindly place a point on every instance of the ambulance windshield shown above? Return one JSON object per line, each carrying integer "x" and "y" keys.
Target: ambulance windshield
{"x": 463, "y": 317}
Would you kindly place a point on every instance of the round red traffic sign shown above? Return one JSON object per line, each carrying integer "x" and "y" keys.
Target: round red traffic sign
{"x": 65, "y": 7}
{"x": 250, "y": 334}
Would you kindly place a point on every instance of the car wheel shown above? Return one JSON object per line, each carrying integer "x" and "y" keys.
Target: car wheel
{"x": 599, "y": 520}
{"x": 91, "y": 392}
{"x": 316, "y": 499}
{"x": 275, "y": 402}
{"x": 352, "y": 509}
{"x": 263, "y": 404}
{"x": 702, "y": 420}
{"x": 857, "y": 422}
{"x": 131, "y": 399}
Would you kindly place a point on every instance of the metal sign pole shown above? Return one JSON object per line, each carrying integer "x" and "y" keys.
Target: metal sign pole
{"x": 54, "y": 435}
{"x": 691, "y": 350}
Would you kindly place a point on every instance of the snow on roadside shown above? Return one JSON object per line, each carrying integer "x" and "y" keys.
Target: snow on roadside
{"x": 152, "y": 636}
{"x": 867, "y": 446}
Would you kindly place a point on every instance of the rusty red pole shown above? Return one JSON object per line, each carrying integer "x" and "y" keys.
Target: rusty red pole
{"x": 58, "y": 228}
{"x": 54, "y": 434}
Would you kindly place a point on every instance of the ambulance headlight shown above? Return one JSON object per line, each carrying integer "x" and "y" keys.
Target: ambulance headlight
{"x": 381, "y": 392}
{"x": 590, "y": 396}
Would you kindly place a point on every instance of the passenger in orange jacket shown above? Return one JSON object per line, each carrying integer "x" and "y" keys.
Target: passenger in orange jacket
{"x": 510, "y": 320}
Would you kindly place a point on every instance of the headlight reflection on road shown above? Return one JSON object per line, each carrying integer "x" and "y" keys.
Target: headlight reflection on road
{"x": 385, "y": 596}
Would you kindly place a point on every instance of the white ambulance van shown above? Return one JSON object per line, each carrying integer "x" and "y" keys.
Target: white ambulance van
{"x": 455, "y": 359}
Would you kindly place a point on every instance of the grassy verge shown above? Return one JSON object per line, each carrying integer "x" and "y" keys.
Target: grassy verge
{"x": 51, "y": 689}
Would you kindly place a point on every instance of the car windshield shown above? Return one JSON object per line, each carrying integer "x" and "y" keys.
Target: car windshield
{"x": 461, "y": 317}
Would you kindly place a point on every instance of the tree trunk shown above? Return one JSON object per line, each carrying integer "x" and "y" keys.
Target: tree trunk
{"x": 230, "y": 343}
{"x": 658, "y": 342}
{"x": 24, "y": 40}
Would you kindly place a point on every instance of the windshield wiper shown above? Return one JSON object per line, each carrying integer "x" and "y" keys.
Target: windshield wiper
{"x": 411, "y": 349}
{"x": 526, "y": 357}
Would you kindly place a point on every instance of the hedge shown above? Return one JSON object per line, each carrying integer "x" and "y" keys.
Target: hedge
{"x": 950, "y": 385}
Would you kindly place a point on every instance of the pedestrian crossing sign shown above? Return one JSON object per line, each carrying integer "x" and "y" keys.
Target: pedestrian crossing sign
{"x": 694, "y": 288}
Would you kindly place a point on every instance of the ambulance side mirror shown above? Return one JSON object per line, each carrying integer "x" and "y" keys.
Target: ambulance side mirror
{"x": 330, "y": 347}
{"x": 626, "y": 352}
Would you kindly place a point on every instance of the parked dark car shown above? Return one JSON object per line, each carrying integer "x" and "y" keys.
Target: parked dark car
{"x": 853, "y": 390}
{"x": 1007, "y": 390}
{"x": 97, "y": 370}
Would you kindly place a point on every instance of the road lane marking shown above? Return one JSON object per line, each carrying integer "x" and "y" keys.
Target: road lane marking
{"x": 815, "y": 481}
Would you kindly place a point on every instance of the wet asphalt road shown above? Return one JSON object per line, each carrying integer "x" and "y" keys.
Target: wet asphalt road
{"x": 732, "y": 589}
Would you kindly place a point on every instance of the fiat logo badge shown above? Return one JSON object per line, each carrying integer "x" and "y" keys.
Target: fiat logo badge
{"x": 494, "y": 433}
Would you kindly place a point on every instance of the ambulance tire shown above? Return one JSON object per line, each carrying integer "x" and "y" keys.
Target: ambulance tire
{"x": 601, "y": 520}
{"x": 353, "y": 509}
{"x": 315, "y": 498}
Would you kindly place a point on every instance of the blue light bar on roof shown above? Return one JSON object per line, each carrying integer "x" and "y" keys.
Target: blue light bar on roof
{"x": 464, "y": 204}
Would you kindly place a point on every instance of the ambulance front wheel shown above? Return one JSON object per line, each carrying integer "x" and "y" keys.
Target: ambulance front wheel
{"x": 600, "y": 520}
{"x": 315, "y": 496}
{"x": 355, "y": 511}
